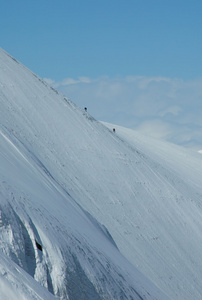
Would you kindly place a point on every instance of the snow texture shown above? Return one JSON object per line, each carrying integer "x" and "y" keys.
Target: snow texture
{"x": 89, "y": 213}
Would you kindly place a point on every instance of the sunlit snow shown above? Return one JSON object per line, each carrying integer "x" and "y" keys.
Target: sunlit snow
{"x": 88, "y": 213}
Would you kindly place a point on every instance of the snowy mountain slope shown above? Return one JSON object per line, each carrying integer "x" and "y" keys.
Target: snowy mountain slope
{"x": 34, "y": 209}
{"x": 43, "y": 229}
{"x": 15, "y": 283}
{"x": 146, "y": 193}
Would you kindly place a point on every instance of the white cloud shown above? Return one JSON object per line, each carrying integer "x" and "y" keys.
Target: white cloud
{"x": 155, "y": 128}
{"x": 175, "y": 110}
{"x": 68, "y": 81}
{"x": 163, "y": 107}
{"x": 84, "y": 79}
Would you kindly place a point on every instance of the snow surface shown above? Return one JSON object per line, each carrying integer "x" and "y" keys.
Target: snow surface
{"x": 118, "y": 215}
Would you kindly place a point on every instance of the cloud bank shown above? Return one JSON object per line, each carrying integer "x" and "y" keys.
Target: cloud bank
{"x": 164, "y": 108}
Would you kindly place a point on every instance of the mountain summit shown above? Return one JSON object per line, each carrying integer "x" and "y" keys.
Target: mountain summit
{"x": 89, "y": 213}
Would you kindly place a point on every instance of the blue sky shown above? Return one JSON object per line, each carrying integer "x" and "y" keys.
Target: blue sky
{"x": 93, "y": 50}
{"x": 71, "y": 38}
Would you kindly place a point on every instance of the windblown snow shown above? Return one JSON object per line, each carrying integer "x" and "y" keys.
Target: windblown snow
{"x": 88, "y": 213}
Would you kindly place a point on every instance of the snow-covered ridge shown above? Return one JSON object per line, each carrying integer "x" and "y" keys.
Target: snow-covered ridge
{"x": 63, "y": 174}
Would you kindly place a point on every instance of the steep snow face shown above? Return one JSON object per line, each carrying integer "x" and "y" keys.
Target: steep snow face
{"x": 146, "y": 193}
{"x": 46, "y": 236}
{"x": 15, "y": 283}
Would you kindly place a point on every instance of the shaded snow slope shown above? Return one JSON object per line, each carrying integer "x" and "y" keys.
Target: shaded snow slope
{"x": 45, "y": 232}
{"x": 146, "y": 193}
{"x": 15, "y": 283}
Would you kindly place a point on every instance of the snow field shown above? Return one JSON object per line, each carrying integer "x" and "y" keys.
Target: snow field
{"x": 65, "y": 174}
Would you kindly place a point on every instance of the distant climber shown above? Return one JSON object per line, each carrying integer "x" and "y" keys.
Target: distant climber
{"x": 85, "y": 108}
{"x": 114, "y": 130}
